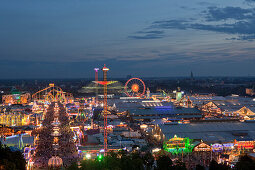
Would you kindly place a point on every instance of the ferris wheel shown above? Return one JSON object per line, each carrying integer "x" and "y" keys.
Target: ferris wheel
{"x": 135, "y": 87}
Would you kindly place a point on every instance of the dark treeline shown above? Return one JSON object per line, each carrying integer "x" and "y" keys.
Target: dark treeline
{"x": 136, "y": 161}
{"x": 11, "y": 160}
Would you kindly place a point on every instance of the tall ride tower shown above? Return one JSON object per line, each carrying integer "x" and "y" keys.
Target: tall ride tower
{"x": 105, "y": 83}
{"x": 96, "y": 80}
{"x": 105, "y": 69}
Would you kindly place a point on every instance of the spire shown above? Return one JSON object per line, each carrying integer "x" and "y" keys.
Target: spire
{"x": 191, "y": 75}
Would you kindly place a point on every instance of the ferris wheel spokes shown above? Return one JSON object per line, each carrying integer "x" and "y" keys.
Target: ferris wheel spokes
{"x": 135, "y": 87}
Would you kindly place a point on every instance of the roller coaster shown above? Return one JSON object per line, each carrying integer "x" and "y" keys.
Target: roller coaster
{"x": 52, "y": 94}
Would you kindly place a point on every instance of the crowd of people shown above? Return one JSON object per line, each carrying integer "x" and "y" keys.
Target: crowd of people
{"x": 48, "y": 138}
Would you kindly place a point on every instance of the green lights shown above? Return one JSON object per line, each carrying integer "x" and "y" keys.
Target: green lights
{"x": 178, "y": 145}
{"x": 100, "y": 157}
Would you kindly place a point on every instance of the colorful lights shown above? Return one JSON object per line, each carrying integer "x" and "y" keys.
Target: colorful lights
{"x": 135, "y": 87}
{"x": 178, "y": 145}
{"x": 202, "y": 147}
{"x": 105, "y": 68}
{"x": 88, "y": 156}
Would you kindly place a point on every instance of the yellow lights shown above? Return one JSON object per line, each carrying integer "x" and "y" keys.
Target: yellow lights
{"x": 55, "y": 140}
{"x": 52, "y": 94}
{"x": 16, "y": 99}
{"x": 155, "y": 150}
{"x": 51, "y": 84}
{"x": 202, "y": 147}
{"x": 105, "y": 68}
{"x": 143, "y": 126}
{"x": 135, "y": 88}
{"x": 88, "y": 156}
{"x": 14, "y": 119}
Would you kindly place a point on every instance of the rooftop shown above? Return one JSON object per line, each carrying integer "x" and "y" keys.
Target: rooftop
{"x": 211, "y": 131}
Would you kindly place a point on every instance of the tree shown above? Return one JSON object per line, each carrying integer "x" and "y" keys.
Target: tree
{"x": 148, "y": 160}
{"x": 214, "y": 165}
{"x": 137, "y": 161}
{"x": 245, "y": 163}
{"x": 200, "y": 167}
{"x": 90, "y": 164}
{"x": 11, "y": 160}
{"x": 179, "y": 165}
{"x": 73, "y": 166}
{"x": 164, "y": 163}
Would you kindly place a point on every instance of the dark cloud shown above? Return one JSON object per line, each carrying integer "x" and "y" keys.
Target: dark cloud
{"x": 241, "y": 27}
{"x": 230, "y": 20}
{"x": 148, "y": 35}
{"x": 217, "y": 14}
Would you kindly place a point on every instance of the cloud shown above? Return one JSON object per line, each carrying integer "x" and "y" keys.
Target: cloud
{"x": 169, "y": 24}
{"x": 230, "y": 20}
{"x": 237, "y": 13}
{"x": 206, "y": 4}
{"x": 241, "y": 27}
{"x": 148, "y": 35}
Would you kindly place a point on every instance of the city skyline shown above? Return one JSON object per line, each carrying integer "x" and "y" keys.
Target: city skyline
{"x": 67, "y": 39}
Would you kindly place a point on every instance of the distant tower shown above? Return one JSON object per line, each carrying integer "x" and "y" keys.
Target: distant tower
{"x": 96, "y": 73}
{"x": 191, "y": 75}
{"x": 96, "y": 79}
{"x": 23, "y": 84}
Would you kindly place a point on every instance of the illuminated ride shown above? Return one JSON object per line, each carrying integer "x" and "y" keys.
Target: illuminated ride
{"x": 82, "y": 115}
{"x": 178, "y": 145}
{"x": 105, "y": 83}
{"x": 51, "y": 94}
{"x": 115, "y": 87}
{"x": 135, "y": 87}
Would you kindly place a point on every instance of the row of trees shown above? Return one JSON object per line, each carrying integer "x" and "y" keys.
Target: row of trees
{"x": 121, "y": 161}
{"x": 129, "y": 161}
{"x": 136, "y": 161}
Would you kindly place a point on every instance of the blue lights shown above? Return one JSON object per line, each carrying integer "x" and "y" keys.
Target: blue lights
{"x": 163, "y": 107}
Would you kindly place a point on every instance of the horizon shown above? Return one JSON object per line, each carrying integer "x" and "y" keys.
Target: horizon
{"x": 110, "y": 77}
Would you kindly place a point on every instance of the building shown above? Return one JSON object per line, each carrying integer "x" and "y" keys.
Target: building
{"x": 15, "y": 115}
{"x": 177, "y": 145}
{"x": 246, "y": 113}
{"x": 16, "y": 97}
{"x": 210, "y": 132}
{"x": 168, "y": 112}
{"x": 250, "y": 91}
{"x": 14, "y": 118}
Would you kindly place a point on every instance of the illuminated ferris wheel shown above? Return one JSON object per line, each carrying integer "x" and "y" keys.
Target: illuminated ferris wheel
{"x": 135, "y": 87}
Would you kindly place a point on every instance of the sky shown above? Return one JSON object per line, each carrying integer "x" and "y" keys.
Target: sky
{"x": 142, "y": 38}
